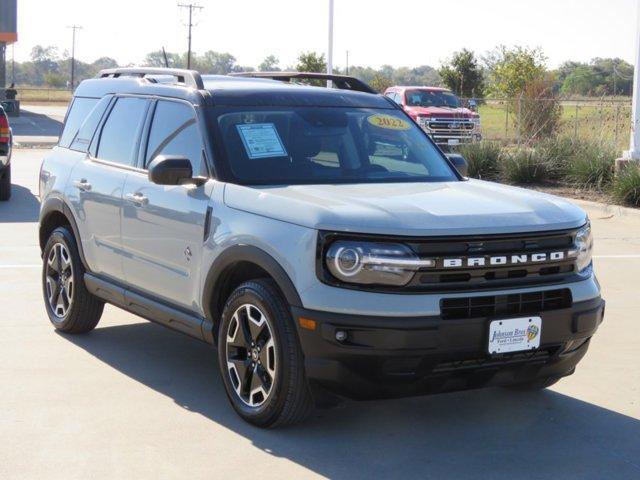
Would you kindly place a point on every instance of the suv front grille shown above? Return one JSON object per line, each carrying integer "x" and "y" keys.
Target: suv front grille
{"x": 490, "y": 276}
{"x": 504, "y": 305}
{"x": 516, "y": 266}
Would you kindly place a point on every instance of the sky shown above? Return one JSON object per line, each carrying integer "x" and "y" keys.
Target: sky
{"x": 375, "y": 32}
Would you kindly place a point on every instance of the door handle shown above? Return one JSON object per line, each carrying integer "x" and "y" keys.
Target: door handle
{"x": 82, "y": 185}
{"x": 137, "y": 198}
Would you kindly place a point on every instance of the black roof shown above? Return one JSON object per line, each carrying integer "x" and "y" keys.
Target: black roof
{"x": 225, "y": 90}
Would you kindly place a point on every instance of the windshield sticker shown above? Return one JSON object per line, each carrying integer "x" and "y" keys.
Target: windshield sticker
{"x": 261, "y": 140}
{"x": 389, "y": 122}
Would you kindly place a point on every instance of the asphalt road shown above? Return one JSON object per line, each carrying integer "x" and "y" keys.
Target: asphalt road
{"x": 134, "y": 400}
{"x": 38, "y": 124}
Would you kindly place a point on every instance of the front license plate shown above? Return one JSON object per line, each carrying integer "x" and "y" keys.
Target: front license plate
{"x": 514, "y": 334}
{"x": 453, "y": 141}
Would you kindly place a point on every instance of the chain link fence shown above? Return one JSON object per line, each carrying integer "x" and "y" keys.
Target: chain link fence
{"x": 604, "y": 119}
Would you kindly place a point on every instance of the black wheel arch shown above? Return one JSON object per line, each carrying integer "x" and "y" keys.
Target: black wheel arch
{"x": 54, "y": 212}
{"x": 214, "y": 286}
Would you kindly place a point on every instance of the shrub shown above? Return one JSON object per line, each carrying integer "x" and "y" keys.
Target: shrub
{"x": 522, "y": 166}
{"x": 626, "y": 186}
{"x": 557, "y": 154}
{"x": 483, "y": 159}
{"x": 538, "y": 110}
{"x": 592, "y": 165}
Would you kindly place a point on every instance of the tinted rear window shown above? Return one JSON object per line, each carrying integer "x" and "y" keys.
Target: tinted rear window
{"x": 78, "y": 112}
{"x": 121, "y": 130}
{"x": 85, "y": 134}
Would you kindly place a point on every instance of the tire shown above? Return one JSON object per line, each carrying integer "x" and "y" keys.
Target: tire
{"x": 75, "y": 312}
{"x": 5, "y": 184}
{"x": 266, "y": 383}
{"x": 537, "y": 384}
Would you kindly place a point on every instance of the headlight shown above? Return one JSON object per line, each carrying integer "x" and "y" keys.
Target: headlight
{"x": 583, "y": 250}
{"x": 423, "y": 121}
{"x": 476, "y": 122}
{"x": 368, "y": 263}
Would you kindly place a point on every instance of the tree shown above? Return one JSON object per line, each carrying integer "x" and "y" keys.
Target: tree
{"x": 463, "y": 75}
{"x": 218, "y": 63}
{"x": 156, "y": 59}
{"x": 380, "y": 83}
{"x": 581, "y": 81}
{"x": 616, "y": 76}
{"x": 269, "y": 64}
{"x": 40, "y": 54}
{"x": 510, "y": 70}
{"x": 54, "y": 80}
{"x": 311, "y": 62}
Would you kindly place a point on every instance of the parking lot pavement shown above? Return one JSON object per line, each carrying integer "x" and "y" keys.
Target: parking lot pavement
{"x": 38, "y": 124}
{"x": 134, "y": 400}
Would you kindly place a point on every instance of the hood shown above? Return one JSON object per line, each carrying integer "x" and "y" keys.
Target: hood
{"x": 442, "y": 112}
{"x": 412, "y": 209}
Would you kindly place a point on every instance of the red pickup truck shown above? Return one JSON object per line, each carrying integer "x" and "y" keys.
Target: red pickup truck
{"x": 440, "y": 113}
{"x": 5, "y": 156}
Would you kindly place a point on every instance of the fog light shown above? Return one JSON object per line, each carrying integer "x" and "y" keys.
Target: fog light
{"x": 341, "y": 335}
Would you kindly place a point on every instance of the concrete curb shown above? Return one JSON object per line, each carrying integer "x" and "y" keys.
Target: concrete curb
{"x": 607, "y": 209}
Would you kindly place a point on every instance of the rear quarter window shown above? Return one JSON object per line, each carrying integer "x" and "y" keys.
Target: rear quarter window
{"x": 78, "y": 112}
{"x": 84, "y": 136}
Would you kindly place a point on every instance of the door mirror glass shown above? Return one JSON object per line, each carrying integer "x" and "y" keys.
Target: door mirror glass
{"x": 170, "y": 170}
{"x": 459, "y": 162}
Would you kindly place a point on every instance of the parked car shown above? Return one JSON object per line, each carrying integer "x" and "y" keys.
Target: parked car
{"x": 6, "y": 140}
{"x": 317, "y": 237}
{"x": 440, "y": 113}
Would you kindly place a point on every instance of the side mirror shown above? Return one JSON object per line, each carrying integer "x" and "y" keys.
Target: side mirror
{"x": 459, "y": 162}
{"x": 172, "y": 170}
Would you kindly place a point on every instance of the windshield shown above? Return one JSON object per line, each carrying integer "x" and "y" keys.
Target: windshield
{"x": 302, "y": 145}
{"x": 427, "y": 98}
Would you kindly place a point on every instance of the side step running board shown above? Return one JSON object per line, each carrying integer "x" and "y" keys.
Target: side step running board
{"x": 149, "y": 308}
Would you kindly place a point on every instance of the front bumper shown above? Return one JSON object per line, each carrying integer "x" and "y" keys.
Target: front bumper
{"x": 384, "y": 357}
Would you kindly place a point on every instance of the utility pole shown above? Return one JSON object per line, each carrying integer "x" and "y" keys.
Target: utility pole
{"x": 347, "y": 69}
{"x": 191, "y": 7}
{"x": 13, "y": 63}
{"x": 73, "y": 52}
{"x": 330, "y": 51}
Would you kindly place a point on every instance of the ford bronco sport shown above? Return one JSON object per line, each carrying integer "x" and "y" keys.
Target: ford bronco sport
{"x": 316, "y": 236}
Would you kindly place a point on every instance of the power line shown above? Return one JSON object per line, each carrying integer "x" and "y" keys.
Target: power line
{"x": 191, "y": 7}
{"x": 73, "y": 52}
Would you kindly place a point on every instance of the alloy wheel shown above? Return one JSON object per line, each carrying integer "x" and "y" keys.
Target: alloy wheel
{"x": 251, "y": 355}
{"x": 59, "y": 278}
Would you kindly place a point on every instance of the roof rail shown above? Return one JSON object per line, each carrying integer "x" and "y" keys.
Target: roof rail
{"x": 190, "y": 78}
{"x": 342, "y": 82}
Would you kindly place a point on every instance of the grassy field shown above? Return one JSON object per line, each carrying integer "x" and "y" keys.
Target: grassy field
{"x": 43, "y": 95}
{"x": 607, "y": 121}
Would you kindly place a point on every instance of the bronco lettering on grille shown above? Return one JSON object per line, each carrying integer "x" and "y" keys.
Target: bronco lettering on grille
{"x": 500, "y": 260}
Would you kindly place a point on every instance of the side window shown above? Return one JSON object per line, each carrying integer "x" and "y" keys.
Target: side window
{"x": 120, "y": 132}
{"x": 174, "y": 131}
{"x": 85, "y": 134}
{"x": 80, "y": 108}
